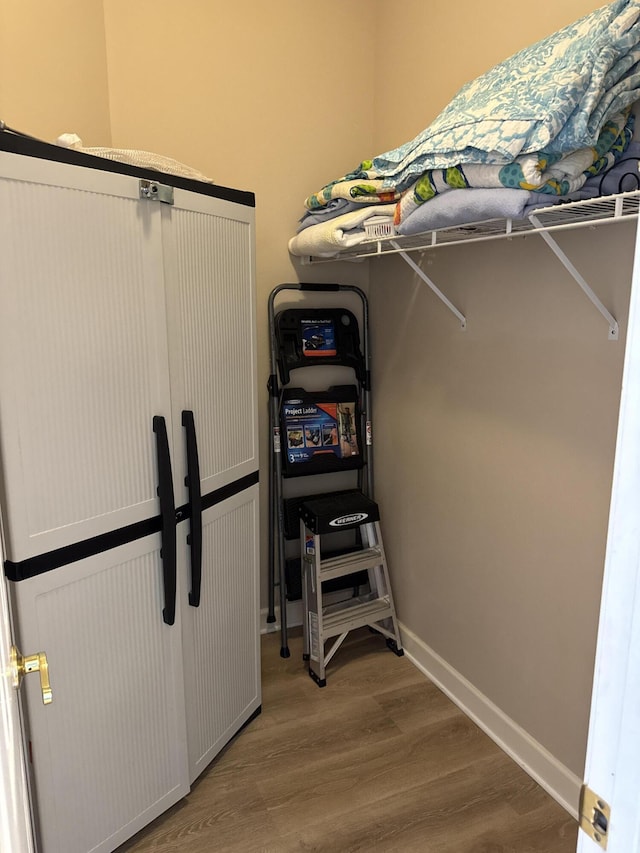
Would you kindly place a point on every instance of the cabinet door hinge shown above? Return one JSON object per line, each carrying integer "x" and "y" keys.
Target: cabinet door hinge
{"x": 595, "y": 816}
{"x": 152, "y": 190}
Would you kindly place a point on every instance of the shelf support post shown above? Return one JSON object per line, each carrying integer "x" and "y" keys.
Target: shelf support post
{"x": 420, "y": 272}
{"x": 566, "y": 263}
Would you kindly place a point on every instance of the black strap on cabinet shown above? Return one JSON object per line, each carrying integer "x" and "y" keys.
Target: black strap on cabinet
{"x": 192, "y": 482}
{"x": 168, "y": 519}
{"x": 48, "y": 561}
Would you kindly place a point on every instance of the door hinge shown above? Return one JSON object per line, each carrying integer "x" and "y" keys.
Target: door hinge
{"x": 595, "y": 816}
{"x": 153, "y": 191}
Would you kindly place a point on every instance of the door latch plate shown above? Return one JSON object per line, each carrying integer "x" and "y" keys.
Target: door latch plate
{"x": 595, "y": 815}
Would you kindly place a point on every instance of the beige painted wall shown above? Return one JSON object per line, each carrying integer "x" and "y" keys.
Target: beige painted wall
{"x": 53, "y": 74}
{"x": 494, "y": 446}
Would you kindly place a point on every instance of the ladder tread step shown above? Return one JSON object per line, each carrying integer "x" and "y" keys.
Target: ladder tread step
{"x": 346, "y": 564}
{"x": 356, "y": 612}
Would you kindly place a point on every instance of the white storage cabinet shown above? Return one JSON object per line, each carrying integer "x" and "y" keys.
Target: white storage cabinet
{"x": 128, "y": 435}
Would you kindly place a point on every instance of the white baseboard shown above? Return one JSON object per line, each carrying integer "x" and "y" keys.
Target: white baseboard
{"x": 557, "y": 780}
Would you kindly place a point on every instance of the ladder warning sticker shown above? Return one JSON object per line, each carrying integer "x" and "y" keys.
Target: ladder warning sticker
{"x": 314, "y": 651}
{"x": 309, "y": 544}
{"x": 318, "y": 338}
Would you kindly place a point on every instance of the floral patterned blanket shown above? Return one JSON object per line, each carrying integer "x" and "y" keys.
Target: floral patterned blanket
{"x": 565, "y": 97}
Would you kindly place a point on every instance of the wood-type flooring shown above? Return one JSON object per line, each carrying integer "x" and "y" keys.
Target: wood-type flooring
{"x": 379, "y": 760}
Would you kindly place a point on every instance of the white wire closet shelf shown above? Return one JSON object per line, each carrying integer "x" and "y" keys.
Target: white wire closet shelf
{"x": 545, "y": 221}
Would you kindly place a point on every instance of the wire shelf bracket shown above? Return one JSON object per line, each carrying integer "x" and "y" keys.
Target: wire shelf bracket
{"x": 422, "y": 274}
{"x": 578, "y": 278}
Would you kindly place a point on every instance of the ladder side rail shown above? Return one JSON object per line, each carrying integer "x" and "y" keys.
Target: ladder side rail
{"x": 276, "y": 509}
{"x": 280, "y": 550}
{"x": 373, "y": 537}
{"x": 271, "y": 614}
{"x": 310, "y": 571}
{"x": 272, "y": 390}
{"x": 313, "y": 632}
{"x": 365, "y": 392}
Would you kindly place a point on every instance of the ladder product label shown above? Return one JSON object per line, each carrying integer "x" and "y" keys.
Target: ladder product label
{"x": 316, "y": 429}
{"x": 318, "y": 338}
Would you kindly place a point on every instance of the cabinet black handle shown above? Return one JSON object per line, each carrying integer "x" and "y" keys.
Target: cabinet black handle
{"x": 192, "y": 482}
{"x": 168, "y": 519}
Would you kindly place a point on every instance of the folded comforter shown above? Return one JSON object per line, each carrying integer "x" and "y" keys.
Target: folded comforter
{"x": 326, "y": 239}
{"x": 554, "y": 97}
{"x": 464, "y": 207}
{"x": 543, "y": 173}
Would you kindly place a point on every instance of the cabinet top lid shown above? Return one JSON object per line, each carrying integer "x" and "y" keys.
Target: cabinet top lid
{"x": 29, "y": 147}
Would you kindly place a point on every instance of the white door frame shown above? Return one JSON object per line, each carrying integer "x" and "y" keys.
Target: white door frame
{"x": 612, "y": 768}
{"x": 15, "y": 814}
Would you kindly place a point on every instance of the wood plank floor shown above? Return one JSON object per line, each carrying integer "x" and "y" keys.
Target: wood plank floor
{"x": 378, "y": 761}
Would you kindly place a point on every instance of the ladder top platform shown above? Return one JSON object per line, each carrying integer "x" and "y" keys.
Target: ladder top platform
{"x": 329, "y": 513}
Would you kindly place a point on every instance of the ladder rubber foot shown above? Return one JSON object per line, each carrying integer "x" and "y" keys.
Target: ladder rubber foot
{"x": 284, "y": 652}
{"x": 321, "y": 682}
{"x": 394, "y": 648}
{"x": 271, "y": 617}
{"x": 306, "y": 657}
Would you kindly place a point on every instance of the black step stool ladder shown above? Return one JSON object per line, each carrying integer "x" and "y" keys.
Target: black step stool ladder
{"x": 319, "y": 452}
{"x": 323, "y": 515}
{"x": 318, "y": 437}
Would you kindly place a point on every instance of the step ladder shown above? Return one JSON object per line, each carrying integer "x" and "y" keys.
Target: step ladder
{"x": 323, "y": 515}
{"x": 319, "y": 389}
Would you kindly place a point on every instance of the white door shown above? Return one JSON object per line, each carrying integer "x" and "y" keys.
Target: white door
{"x": 109, "y": 753}
{"x": 208, "y": 254}
{"x": 88, "y": 365}
{"x": 83, "y": 371}
{"x": 83, "y": 359}
{"x": 222, "y": 634}
{"x": 209, "y": 263}
{"x": 612, "y": 769}
{"x": 15, "y": 816}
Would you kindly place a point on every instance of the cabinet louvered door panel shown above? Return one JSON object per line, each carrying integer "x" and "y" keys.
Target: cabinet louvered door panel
{"x": 211, "y": 319}
{"x": 221, "y": 636}
{"x": 109, "y": 752}
{"x": 82, "y": 353}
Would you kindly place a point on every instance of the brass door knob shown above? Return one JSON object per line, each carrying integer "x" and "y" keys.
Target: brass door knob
{"x": 21, "y": 666}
